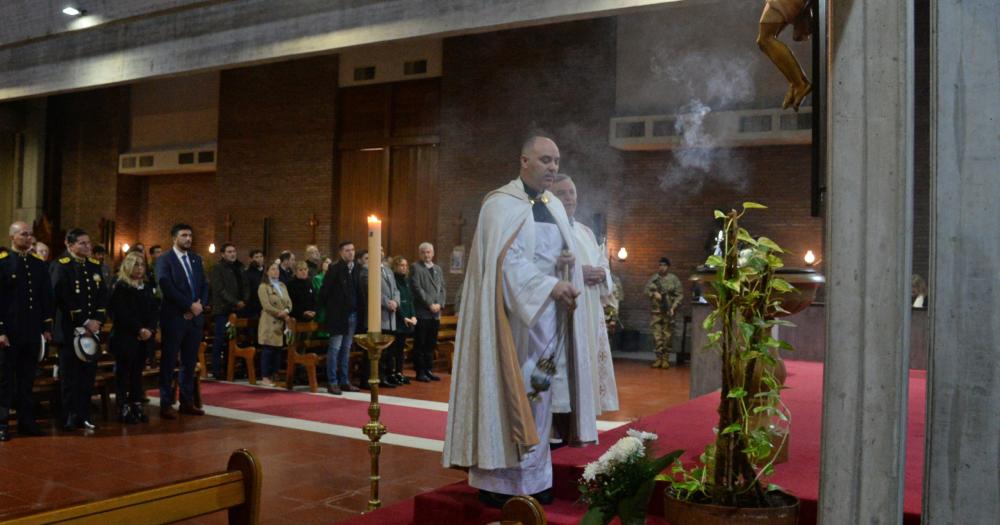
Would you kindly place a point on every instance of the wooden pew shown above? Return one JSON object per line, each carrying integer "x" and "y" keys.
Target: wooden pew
{"x": 236, "y": 490}
{"x": 298, "y": 353}
{"x": 523, "y": 510}
{"x": 243, "y": 352}
{"x": 445, "y": 349}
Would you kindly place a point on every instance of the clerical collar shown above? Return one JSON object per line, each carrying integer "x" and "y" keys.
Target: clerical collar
{"x": 538, "y": 202}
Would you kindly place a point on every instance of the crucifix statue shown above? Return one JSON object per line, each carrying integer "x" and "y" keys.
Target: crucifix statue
{"x": 777, "y": 15}
{"x": 229, "y": 227}
{"x": 313, "y": 223}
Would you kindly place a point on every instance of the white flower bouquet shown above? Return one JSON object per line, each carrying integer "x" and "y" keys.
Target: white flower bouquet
{"x": 620, "y": 482}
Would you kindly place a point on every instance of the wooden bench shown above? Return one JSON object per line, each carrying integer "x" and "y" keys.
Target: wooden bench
{"x": 299, "y": 354}
{"x": 246, "y": 353}
{"x": 445, "y": 350}
{"x": 236, "y": 490}
{"x": 523, "y": 510}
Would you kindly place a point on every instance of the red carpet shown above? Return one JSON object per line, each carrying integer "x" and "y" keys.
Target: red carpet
{"x": 688, "y": 427}
{"x": 416, "y": 422}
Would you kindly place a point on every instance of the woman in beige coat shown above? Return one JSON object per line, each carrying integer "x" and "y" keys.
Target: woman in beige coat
{"x": 275, "y": 307}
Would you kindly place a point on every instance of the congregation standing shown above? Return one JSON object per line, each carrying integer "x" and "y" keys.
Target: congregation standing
{"x": 162, "y": 299}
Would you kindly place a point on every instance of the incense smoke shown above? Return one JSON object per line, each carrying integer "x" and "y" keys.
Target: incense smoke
{"x": 708, "y": 82}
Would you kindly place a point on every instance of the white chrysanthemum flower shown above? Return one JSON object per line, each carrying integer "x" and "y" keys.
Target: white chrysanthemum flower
{"x": 642, "y": 435}
{"x": 626, "y": 448}
{"x": 590, "y": 472}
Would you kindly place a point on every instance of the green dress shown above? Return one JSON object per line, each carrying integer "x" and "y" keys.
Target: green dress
{"x": 320, "y": 308}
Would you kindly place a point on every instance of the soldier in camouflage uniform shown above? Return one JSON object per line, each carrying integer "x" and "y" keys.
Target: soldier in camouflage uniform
{"x": 665, "y": 292}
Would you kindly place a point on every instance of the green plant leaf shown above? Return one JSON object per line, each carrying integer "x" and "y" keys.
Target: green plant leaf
{"x": 595, "y": 516}
{"x": 715, "y": 260}
{"x": 744, "y": 236}
{"x": 734, "y": 427}
{"x": 719, "y": 214}
{"x": 737, "y": 393}
{"x": 753, "y": 206}
{"x": 768, "y": 243}
{"x": 781, "y": 285}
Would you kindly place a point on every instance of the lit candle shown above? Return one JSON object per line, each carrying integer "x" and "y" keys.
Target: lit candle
{"x": 810, "y": 258}
{"x": 211, "y": 248}
{"x": 622, "y": 254}
{"x": 374, "y": 275}
{"x": 125, "y": 248}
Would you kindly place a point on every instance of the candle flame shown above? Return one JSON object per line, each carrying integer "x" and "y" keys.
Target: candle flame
{"x": 373, "y": 219}
{"x": 623, "y": 253}
{"x": 810, "y": 257}
{"x": 211, "y": 248}
{"x": 125, "y": 248}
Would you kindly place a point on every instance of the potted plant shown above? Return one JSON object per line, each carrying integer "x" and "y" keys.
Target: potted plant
{"x": 728, "y": 482}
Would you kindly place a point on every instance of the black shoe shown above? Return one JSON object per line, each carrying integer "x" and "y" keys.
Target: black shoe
{"x": 4, "y": 434}
{"x": 386, "y": 384}
{"x": 30, "y": 429}
{"x": 401, "y": 379}
{"x": 493, "y": 499}
{"x": 432, "y": 376}
{"x": 423, "y": 378}
{"x": 71, "y": 423}
{"x": 124, "y": 413}
{"x": 391, "y": 380}
{"x": 86, "y": 424}
{"x": 139, "y": 413}
{"x": 544, "y": 497}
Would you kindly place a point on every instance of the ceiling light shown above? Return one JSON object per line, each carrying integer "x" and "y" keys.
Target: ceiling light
{"x": 72, "y": 11}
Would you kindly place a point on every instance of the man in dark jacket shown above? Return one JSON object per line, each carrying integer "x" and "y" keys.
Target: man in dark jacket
{"x": 253, "y": 277}
{"x": 185, "y": 291}
{"x": 427, "y": 283}
{"x": 229, "y": 295}
{"x": 343, "y": 294}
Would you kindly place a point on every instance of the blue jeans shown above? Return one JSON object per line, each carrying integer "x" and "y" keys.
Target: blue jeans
{"x": 270, "y": 361}
{"x": 219, "y": 344}
{"x": 338, "y": 354}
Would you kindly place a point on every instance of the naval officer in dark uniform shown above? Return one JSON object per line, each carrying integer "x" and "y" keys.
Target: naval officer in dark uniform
{"x": 81, "y": 297}
{"x": 25, "y": 318}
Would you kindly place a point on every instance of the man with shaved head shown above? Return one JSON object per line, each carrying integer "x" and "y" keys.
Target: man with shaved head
{"x": 518, "y": 331}
{"x": 26, "y": 311}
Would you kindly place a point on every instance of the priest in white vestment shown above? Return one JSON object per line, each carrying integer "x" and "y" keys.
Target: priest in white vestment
{"x": 519, "y": 322}
{"x": 598, "y": 287}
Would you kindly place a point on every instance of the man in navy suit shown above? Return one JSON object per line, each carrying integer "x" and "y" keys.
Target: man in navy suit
{"x": 185, "y": 292}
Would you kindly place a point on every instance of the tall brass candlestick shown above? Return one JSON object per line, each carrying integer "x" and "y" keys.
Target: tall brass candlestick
{"x": 373, "y": 343}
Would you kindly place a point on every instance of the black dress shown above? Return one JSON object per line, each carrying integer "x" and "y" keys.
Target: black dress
{"x": 303, "y": 298}
{"x": 131, "y": 309}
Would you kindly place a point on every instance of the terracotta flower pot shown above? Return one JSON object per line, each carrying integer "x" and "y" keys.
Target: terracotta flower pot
{"x": 679, "y": 512}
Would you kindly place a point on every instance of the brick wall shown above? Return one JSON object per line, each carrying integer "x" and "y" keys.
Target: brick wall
{"x": 500, "y": 87}
{"x": 277, "y": 157}
{"x": 276, "y": 153}
{"x": 86, "y": 133}
{"x": 652, "y": 222}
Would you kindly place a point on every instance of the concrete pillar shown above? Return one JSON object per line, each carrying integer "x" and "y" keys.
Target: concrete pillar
{"x": 870, "y": 185}
{"x": 961, "y": 484}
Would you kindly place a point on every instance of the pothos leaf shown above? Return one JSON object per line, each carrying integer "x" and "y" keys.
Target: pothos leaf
{"x": 753, "y": 206}
{"x": 719, "y": 214}
{"x": 768, "y": 243}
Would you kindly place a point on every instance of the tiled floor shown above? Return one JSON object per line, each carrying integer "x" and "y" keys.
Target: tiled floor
{"x": 308, "y": 477}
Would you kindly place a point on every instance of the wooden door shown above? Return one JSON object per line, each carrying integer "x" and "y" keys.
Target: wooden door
{"x": 364, "y": 190}
{"x": 413, "y": 207}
